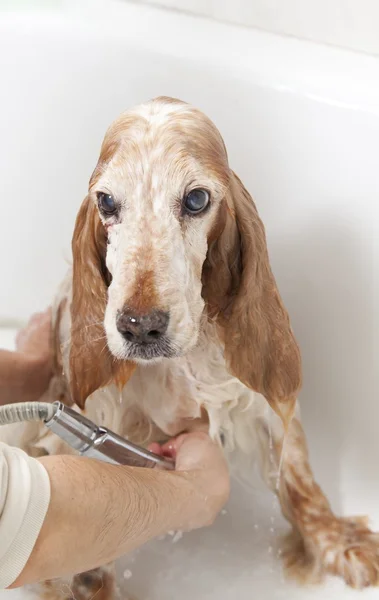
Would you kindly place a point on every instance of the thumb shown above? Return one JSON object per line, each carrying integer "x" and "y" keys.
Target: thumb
{"x": 196, "y": 451}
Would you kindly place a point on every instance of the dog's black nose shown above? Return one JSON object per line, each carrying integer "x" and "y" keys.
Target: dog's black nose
{"x": 142, "y": 329}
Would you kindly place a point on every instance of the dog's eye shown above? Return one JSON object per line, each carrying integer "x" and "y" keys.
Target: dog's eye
{"x": 107, "y": 203}
{"x": 196, "y": 201}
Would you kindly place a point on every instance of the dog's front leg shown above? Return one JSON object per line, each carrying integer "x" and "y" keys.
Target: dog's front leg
{"x": 320, "y": 542}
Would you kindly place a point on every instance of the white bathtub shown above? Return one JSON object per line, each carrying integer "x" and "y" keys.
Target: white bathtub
{"x": 301, "y": 123}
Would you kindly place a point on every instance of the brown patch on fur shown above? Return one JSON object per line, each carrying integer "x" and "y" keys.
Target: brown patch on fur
{"x": 219, "y": 223}
{"x": 144, "y": 299}
{"x": 203, "y": 141}
{"x": 112, "y": 142}
{"x": 241, "y": 292}
{"x": 167, "y": 100}
{"x": 123, "y": 373}
{"x": 91, "y": 364}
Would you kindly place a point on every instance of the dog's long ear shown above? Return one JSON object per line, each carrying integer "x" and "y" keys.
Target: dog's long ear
{"x": 91, "y": 363}
{"x": 240, "y": 291}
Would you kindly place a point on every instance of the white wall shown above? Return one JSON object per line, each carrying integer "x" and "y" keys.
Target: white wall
{"x": 350, "y": 24}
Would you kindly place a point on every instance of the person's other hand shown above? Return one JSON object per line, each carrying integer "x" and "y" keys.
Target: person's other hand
{"x": 202, "y": 463}
{"x": 33, "y": 341}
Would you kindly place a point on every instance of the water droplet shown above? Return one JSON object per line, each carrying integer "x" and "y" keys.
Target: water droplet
{"x": 178, "y": 536}
{"x": 127, "y": 574}
{"x": 271, "y": 444}
{"x": 224, "y": 512}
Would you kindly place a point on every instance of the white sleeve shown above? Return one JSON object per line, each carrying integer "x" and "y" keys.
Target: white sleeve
{"x": 24, "y": 500}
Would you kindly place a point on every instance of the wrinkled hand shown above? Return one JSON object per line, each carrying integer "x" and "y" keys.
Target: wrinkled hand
{"x": 202, "y": 463}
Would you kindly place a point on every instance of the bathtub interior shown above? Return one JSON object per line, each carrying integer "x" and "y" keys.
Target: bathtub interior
{"x": 303, "y": 136}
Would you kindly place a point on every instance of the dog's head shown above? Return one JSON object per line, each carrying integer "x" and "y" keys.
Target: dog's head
{"x": 166, "y": 237}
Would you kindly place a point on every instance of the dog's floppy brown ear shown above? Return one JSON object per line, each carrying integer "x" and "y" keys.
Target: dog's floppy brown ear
{"x": 241, "y": 293}
{"x": 91, "y": 363}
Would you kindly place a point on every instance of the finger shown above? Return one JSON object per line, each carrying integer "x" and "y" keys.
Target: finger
{"x": 156, "y": 448}
{"x": 20, "y": 337}
{"x": 39, "y": 319}
{"x": 172, "y": 447}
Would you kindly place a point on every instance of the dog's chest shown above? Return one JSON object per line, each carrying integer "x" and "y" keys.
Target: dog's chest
{"x": 191, "y": 392}
{"x": 181, "y": 394}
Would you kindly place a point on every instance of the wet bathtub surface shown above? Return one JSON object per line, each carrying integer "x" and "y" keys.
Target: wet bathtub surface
{"x": 235, "y": 559}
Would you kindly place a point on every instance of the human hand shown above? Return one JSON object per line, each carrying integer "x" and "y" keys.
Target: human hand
{"x": 34, "y": 338}
{"x": 201, "y": 462}
{"x": 33, "y": 342}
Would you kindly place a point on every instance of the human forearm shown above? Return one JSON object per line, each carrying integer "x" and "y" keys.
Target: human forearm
{"x": 98, "y": 512}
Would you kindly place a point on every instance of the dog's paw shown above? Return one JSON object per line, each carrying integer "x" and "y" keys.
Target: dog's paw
{"x": 341, "y": 547}
{"x": 355, "y": 554}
